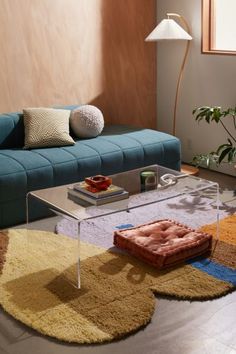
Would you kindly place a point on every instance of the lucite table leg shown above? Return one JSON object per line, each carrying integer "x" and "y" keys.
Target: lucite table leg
{"x": 74, "y": 232}
{"x": 70, "y": 227}
{"x": 217, "y": 212}
{"x": 27, "y": 209}
{"x": 78, "y": 263}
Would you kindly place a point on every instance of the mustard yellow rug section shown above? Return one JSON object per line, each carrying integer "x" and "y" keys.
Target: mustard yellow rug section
{"x": 116, "y": 295}
{"x": 225, "y": 248}
{"x": 227, "y": 229}
{"x": 34, "y": 289}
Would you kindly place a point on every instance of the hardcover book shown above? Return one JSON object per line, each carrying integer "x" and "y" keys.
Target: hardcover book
{"x": 112, "y": 190}
{"x": 77, "y": 196}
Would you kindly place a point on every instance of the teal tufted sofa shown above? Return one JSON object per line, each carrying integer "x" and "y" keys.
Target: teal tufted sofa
{"x": 118, "y": 148}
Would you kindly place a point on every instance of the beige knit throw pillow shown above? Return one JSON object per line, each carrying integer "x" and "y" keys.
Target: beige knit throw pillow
{"x": 45, "y": 127}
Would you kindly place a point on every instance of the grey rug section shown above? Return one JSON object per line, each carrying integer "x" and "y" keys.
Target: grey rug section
{"x": 192, "y": 211}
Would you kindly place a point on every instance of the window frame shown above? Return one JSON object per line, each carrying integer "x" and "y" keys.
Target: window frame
{"x": 207, "y": 33}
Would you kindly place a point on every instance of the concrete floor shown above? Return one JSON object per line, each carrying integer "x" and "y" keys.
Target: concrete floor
{"x": 177, "y": 327}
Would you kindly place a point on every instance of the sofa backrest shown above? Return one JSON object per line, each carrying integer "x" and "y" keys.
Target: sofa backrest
{"x": 12, "y": 128}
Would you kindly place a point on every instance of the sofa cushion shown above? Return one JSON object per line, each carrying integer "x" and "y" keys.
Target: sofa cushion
{"x": 87, "y": 121}
{"x": 12, "y": 128}
{"x": 107, "y": 154}
{"x": 46, "y": 127}
{"x": 151, "y": 147}
{"x": 117, "y": 149}
{"x": 23, "y": 171}
{"x": 163, "y": 243}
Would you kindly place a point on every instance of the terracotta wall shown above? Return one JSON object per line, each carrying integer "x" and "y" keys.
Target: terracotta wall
{"x": 55, "y": 52}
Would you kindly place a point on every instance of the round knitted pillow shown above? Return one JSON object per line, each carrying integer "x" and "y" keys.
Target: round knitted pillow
{"x": 87, "y": 121}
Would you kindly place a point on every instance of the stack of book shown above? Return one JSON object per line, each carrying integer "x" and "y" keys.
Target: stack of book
{"x": 113, "y": 194}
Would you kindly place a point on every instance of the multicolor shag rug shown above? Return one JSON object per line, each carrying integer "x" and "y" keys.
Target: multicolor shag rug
{"x": 117, "y": 294}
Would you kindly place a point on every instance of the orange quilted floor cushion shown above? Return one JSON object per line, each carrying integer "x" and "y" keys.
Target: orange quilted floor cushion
{"x": 163, "y": 243}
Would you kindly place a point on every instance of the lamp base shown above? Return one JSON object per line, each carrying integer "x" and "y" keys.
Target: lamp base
{"x": 189, "y": 170}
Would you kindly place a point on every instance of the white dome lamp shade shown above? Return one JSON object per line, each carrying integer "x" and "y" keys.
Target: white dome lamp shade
{"x": 168, "y": 29}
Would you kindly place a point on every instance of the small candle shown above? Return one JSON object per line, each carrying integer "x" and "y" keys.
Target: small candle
{"x": 148, "y": 180}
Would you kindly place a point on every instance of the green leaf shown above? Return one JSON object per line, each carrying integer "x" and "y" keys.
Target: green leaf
{"x": 222, "y": 147}
{"x": 231, "y": 155}
{"x": 208, "y": 113}
{"x": 224, "y": 153}
{"x": 217, "y": 114}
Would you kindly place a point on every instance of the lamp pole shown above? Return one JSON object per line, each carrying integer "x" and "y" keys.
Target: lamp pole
{"x": 182, "y": 19}
{"x": 168, "y": 29}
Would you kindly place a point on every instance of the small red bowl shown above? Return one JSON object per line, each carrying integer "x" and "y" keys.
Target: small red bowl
{"x": 99, "y": 182}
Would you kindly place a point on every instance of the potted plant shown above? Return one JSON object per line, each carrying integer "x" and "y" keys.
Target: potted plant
{"x": 227, "y": 151}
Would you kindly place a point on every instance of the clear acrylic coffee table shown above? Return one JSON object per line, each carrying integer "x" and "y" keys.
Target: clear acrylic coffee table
{"x": 169, "y": 185}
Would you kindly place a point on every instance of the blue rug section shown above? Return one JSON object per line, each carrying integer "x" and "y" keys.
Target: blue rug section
{"x": 124, "y": 226}
{"x": 216, "y": 270}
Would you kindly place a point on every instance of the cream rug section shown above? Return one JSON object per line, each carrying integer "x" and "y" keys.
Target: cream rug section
{"x": 35, "y": 288}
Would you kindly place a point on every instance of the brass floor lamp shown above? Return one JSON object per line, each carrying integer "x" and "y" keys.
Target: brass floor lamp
{"x": 168, "y": 29}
